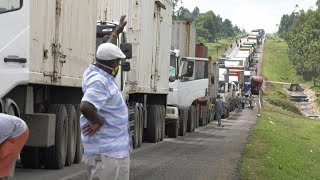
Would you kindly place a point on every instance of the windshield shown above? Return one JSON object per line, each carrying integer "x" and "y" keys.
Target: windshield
{"x": 172, "y": 68}
{"x": 247, "y": 79}
{"x": 187, "y": 71}
{"x": 9, "y": 5}
{"x": 222, "y": 87}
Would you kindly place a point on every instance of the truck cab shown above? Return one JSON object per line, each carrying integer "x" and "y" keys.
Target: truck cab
{"x": 190, "y": 89}
{"x": 225, "y": 91}
{"x": 247, "y": 83}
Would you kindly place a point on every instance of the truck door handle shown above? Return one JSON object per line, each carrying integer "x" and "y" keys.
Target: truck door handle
{"x": 15, "y": 59}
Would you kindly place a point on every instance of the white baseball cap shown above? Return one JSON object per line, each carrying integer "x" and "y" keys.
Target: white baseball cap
{"x": 109, "y": 51}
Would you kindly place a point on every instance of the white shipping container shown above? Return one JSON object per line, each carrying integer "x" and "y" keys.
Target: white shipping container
{"x": 62, "y": 42}
{"x": 149, "y": 31}
{"x": 184, "y": 38}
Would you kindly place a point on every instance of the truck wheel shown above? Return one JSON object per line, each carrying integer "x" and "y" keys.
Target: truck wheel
{"x": 136, "y": 134}
{"x": 162, "y": 122}
{"x": 141, "y": 112}
{"x": 191, "y": 119}
{"x": 79, "y": 147}
{"x": 152, "y": 129}
{"x": 197, "y": 119}
{"x": 158, "y": 122}
{"x": 183, "y": 113}
{"x": 55, "y": 156}
{"x": 72, "y": 134}
{"x": 30, "y": 156}
{"x": 173, "y": 129}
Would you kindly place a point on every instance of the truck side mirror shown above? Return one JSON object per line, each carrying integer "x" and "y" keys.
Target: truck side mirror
{"x": 126, "y": 48}
{"x": 125, "y": 66}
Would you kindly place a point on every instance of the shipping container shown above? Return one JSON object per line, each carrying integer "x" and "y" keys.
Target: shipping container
{"x": 59, "y": 50}
{"x": 184, "y": 38}
{"x": 147, "y": 31}
{"x": 201, "y": 51}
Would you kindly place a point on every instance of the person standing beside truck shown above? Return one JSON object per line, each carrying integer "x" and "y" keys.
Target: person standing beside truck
{"x": 243, "y": 101}
{"x": 251, "y": 99}
{"x": 13, "y": 135}
{"x": 104, "y": 119}
{"x": 219, "y": 107}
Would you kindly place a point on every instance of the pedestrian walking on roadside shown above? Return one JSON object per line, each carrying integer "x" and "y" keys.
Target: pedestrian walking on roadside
{"x": 104, "y": 119}
{"x": 243, "y": 101}
{"x": 13, "y": 135}
{"x": 251, "y": 99}
{"x": 256, "y": 70}
{"x": 238, "y": 101}
{"x": 219, "y": 107}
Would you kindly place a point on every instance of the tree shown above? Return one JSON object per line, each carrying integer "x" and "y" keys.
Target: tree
{"x": 195, "y": 13}
{"x": 304, "y": 47}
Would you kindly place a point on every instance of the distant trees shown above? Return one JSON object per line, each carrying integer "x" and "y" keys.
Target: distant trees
{"x": 210, "y": 27}
{"x": 303, "y": 37}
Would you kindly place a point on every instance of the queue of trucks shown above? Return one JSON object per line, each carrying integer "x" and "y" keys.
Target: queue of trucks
{"x": 168, "y": 82}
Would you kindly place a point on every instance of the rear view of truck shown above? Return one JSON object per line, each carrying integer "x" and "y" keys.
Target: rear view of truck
{"x": 45, "y": 48}
{"x": 145, "y": 86}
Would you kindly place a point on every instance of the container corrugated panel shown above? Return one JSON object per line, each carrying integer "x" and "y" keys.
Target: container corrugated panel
{"x": 150, "y": 40}
{"x": 9, "y": 4}
{"x": 183, "y": 38}
{"x": 73, "y": 30}
{"x": 201, "y": 51}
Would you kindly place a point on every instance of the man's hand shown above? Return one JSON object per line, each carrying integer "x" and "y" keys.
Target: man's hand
{"x": 91, "y": 128}
{"x": 119, "y": 29}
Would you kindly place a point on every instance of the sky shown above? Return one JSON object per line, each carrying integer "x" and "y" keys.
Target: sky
{"x": 251, "y": 14}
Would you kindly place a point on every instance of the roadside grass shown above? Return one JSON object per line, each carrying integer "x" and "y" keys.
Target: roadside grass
{"x": 283, "y": 144}
{"x": 276, "y": 64}
{"x": 217, "y": 49}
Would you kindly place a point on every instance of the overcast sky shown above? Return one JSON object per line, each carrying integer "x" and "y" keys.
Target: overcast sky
{"x": 251, "y": 14}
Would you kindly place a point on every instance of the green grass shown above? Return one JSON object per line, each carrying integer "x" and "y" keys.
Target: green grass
{"x": 283, "y": 144}
{"x": 217, "y": 49}
{"x": 276, "y": 64}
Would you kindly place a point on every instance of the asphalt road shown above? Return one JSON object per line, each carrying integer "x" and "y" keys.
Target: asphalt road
{"x": 208, "y": 153}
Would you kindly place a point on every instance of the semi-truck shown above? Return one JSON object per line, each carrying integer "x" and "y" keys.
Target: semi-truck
{"x": 192, "y": 93}
{"x": 226, "y": 92}
{"x": 45, "y": 46}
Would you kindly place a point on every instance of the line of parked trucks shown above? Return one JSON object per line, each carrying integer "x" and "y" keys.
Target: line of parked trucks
{"x": 45, "y": 46}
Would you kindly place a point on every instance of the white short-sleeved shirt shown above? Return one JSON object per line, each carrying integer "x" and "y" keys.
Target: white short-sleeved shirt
{"x": 10, "y": 127}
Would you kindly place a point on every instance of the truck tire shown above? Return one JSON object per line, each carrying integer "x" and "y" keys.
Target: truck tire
{"x": 162, "y": 121}
{"x": 152, "y": 129}
{"x": 183, "y": 113}
{"x": 191, "y": 120}
{"x": 79, "y": 147}
{"x": 173, "y": 129}
{"x": 141, "y": 112}
{"x": 158, "y": 122}
{"x": 197, "y": 119}
{"x": 55, "y": 156}
{"x": 72, "y": 134}
{"x": 30, "y": 156}
{"x": 136, "y": 134}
